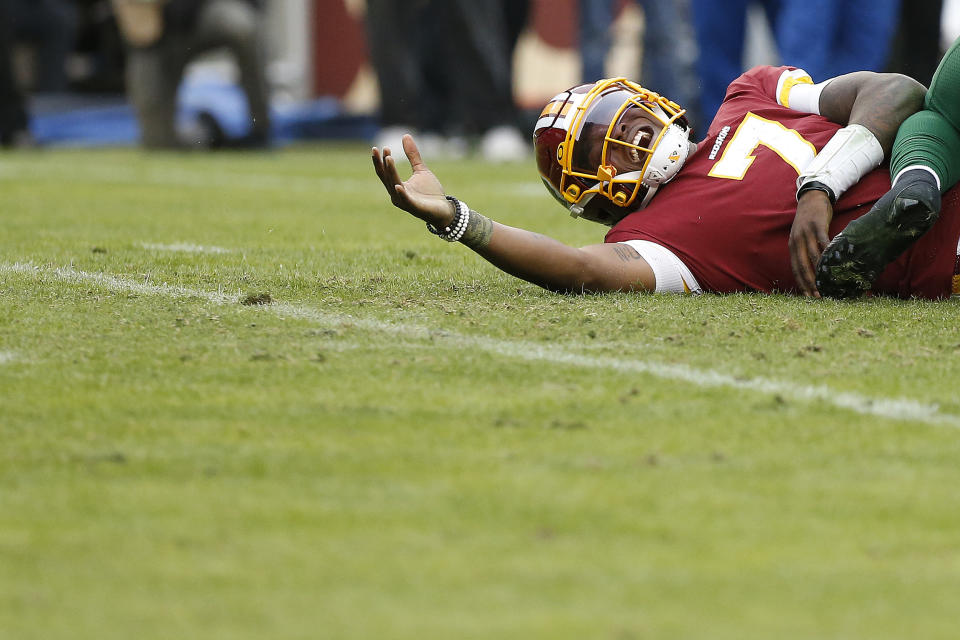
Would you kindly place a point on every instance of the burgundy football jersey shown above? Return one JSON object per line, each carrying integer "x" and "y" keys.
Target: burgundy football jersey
{"x": 727, "y": 215}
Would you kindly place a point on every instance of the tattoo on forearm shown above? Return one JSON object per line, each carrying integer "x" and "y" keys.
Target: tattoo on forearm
{"x": 479, "y": 230}
{"x": 626, "y": 253}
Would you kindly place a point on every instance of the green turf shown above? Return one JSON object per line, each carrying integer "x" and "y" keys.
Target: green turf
{"x": 406, "y": 443}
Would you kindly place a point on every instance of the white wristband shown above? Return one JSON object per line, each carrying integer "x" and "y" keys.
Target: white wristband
{"x": 851, "y": 153}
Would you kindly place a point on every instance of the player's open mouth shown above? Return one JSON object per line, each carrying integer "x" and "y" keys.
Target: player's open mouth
{"x": 634, "y": 153}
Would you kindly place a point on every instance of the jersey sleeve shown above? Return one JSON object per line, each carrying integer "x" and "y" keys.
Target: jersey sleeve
{"x": 788, "y": 80}
{"x": 796, "y": 91}
{"x": 789, "y": 86}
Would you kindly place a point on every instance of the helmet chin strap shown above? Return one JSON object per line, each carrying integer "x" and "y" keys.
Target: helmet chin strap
{"x": 576, "y": 210}
{"x": 651, "y": 187}
{"x": 579, "y": 210}
{"x": 646, "y": 199}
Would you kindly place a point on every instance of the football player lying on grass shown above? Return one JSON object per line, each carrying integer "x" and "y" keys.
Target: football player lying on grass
{"x": 785, "y": 166}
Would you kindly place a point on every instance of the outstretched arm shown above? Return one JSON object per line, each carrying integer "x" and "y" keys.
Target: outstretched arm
{"x": 879, "y": 102}
{"x": 527, "y": 255}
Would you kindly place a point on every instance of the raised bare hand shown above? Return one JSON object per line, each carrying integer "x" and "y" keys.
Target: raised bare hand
{"x": 422, "y": 195}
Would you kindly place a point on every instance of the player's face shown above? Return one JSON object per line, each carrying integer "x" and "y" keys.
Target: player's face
{"x": 629, "y": 143}
{"x": 612, "y": 139}
{"x": 632, "y": 136}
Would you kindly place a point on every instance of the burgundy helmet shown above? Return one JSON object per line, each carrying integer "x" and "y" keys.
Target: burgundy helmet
{"x": 582, "y": 150}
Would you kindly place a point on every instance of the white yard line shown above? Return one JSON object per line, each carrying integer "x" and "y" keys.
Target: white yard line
{"x": 7, "y": 356}
{"x": 116, "y": 283}
{"x": 890, "y": 408}
{"x": 183, "y": 247}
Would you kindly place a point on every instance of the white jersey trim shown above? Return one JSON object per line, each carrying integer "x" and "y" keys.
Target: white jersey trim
{"x": 671, "y": 275}
{"x": 795, "y": 90}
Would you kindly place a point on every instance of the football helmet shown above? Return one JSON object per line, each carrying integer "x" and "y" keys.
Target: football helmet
{"x": 613, "y": 139}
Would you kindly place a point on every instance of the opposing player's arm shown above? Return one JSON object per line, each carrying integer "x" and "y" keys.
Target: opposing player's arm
{"x": 878, "y": 101}
{"x": 871, "y": 106}
{"x": 527, "y": 255}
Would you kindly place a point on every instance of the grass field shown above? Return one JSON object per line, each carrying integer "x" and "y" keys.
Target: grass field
{"x": 405, "y": 443}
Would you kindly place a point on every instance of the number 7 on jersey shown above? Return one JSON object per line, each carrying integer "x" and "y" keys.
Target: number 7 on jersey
{"x": 753, "y": 132}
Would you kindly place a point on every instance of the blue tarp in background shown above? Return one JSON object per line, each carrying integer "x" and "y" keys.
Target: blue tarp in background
{"x": 97, "y": 121}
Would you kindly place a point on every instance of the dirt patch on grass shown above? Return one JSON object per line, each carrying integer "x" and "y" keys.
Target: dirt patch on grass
{"x": 256, "y": 299}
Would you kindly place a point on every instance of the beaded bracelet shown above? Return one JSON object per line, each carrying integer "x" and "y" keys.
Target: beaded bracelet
{"x": 455, "y": 230}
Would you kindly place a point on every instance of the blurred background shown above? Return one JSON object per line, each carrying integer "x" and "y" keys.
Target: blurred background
{"x": 469, "y": 76}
